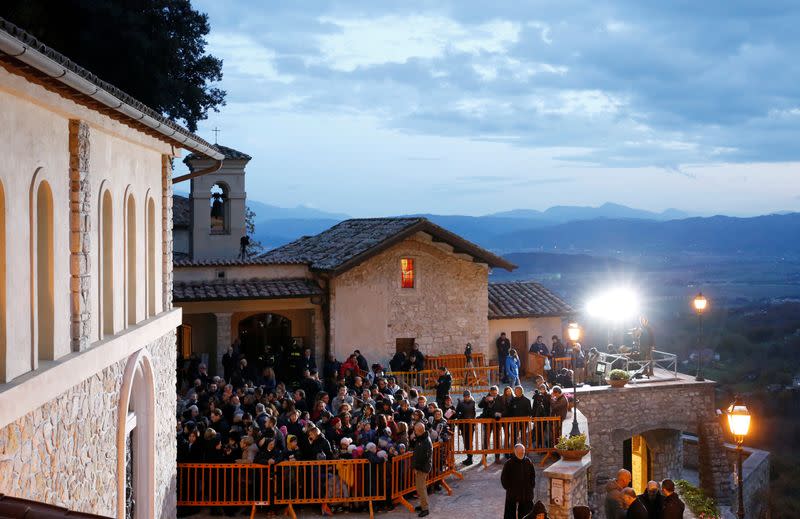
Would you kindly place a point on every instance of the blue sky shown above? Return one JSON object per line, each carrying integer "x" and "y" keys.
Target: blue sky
{"x": 378, "y": 108}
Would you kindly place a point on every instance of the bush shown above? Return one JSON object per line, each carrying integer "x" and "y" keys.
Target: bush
{"x": 619, "y": 374}
{"x": 697, "y": 501}
{"x": 576, "y": 443}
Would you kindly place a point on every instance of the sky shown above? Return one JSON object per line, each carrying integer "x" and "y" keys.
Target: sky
{"x": 383, "y": 108}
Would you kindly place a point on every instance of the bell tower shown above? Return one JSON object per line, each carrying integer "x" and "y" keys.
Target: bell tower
{"x": 217, "y": 201}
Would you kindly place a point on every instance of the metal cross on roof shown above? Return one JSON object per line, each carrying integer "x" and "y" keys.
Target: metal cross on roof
{"x": 216, "y": 135}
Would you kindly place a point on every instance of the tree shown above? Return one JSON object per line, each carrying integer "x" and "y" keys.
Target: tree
{"x": 153, "y": 50}
{"x": 255, "y": 248}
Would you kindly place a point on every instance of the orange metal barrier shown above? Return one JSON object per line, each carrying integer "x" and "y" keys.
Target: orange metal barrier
{"x": 333, "y": 482}
{"x": 561, "y": 362}
{"x": 472, "y": 378}
{"x": 402, "y": 481}
{"x": 453, "y": 361}
{"x": 324, "y": 482}
{"x": 219, "y": 484}
{"x": 489, "y": 436}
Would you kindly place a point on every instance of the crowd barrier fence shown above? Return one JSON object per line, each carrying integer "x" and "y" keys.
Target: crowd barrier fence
{"x": 324, "y": 482}
{"x": 562, "y": 362}
{"x": 485, "y": 436}
{"x": 477, "y": 378}
{"x": 453, "y": 361}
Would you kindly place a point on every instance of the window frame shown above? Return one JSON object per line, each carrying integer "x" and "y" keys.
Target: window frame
{"x": 414, "y": 273}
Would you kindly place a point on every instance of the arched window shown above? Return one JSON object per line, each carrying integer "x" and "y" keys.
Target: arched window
{"x": 151, "y": 257}
{"x": 106, "y": 284}
{"x": 130, "y": 248}
{"x": 220, "y": 209}
{"x": 44, "y": 273}
{"x": 3, "y": 351}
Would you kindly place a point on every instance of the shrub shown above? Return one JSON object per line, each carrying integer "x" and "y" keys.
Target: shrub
{"x": 619, "y": 374}
{"x": 576, "y": 443}
{"x": 697, "y": 501}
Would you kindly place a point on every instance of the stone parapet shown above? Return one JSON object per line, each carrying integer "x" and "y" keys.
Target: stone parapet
{"x": 570, "y": 480}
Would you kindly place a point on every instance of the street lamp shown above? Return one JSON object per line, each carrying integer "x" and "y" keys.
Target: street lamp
{"x": 700, "y": 304}
{"x": 574, "y": 333}
{"x": 739, "y": 424}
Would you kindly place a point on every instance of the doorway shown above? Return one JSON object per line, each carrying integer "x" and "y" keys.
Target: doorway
{"x": 519, "y": 342}
{"x": 262, "y": 330}
{"x": 404, "y": 345}
{"x": 637, "y": 458}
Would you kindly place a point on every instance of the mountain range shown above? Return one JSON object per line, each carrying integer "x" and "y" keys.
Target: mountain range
{"x": 607, "y": 230}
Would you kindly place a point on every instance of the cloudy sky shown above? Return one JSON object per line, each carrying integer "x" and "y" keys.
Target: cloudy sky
{"x": 378, "y": 108}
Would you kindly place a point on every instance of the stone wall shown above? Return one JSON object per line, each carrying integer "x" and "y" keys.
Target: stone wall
{"x": 80, "y": 227}
{"x": 755, "y": 470}
{"x": 659, "y": 412}
{"x": 65, "y": 452}
{"x": 447, "y": 308}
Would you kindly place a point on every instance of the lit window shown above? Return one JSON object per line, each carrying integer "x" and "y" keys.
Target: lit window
{"x": 406, "y": 273}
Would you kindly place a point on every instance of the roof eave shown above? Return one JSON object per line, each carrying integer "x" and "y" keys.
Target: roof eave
{"x": 50, "y": 70}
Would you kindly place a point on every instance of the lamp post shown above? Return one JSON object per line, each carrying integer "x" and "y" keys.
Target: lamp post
{"x": 739, "y": 424}
{"x": 700, "y": 303}
{"x": 574, "y": 333}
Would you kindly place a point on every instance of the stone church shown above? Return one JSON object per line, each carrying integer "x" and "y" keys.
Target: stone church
{"x": 374, "y": 284}
{"x": 87, "y": 325}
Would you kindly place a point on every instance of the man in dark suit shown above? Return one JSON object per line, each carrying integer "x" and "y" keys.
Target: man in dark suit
{"x": 635, "y": 508}
{"x": 652, "y": 500}
{"x": 673, "y": 506}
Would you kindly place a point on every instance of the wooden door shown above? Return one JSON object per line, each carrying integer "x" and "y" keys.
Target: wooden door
{"x": 519, "y": 342}
{"x": 404, "y": 345}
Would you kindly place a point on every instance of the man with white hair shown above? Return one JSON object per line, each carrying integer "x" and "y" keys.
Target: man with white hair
{"x": 614, "y": 502}
{"x": 519, "y": 479}
{"x": 422, "y": 462}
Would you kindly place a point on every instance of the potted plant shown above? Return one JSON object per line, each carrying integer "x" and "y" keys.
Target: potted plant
{"x": 572, "y": 448}
{"x": 618, "y": 377}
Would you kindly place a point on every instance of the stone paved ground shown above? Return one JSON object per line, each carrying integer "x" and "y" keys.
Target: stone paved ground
{"x": 478, "y": 496}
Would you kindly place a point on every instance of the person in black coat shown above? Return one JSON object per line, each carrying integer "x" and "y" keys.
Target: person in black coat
{"x": 422, "y": 462}
{"x": 492, "y": 406}
{"x": 673, "y": 506}
{"x": 652, "y": 500}
{"x": 465, "y": 410}
{"x": 398, "y": 362}
{"x": 443, "y": 385}
{"x": 635, "y": 508}
{"x": 519, "y": 479}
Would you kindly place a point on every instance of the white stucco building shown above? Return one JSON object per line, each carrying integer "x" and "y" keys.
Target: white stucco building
{"x": 87, "y": 325}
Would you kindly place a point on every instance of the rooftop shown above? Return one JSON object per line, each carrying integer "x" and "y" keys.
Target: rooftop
{"x": 353, "y": 241}
{"x": 238, "y": 289}
{"x": 229, "y": 153}
{"x": 524, "y": 299}
{"x": 24, "y": 55}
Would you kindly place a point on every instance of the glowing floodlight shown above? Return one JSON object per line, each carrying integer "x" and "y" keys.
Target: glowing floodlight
{"x": 616, "y": 305}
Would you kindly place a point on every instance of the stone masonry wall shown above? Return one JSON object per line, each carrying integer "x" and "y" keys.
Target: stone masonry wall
{"x": 80, "y": 234}
{"x": 65, "y": 452}
{"x": 447, "y": 308}
{"x": 163, "y": 356}
{"x": 659, "y": 413}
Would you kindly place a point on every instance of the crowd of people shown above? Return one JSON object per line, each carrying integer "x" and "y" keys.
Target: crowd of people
{"x": 251, "y": 415}
{"x": 659, "y": 501}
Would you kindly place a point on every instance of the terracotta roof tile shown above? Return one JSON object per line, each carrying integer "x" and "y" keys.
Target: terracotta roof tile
{"x": 524, "y": 299}
{"x": 222, "y": 289}
{"x": 352, "y": 241}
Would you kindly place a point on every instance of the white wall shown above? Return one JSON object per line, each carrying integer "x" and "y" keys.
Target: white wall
{"x": 35, "y": 148}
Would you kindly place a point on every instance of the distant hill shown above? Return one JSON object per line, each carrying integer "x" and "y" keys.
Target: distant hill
{"x": 534, "y": 265}
{"x": 272, "y": 212}
{"x": 758, "y": 236}
{"x": 568, "y": 213}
